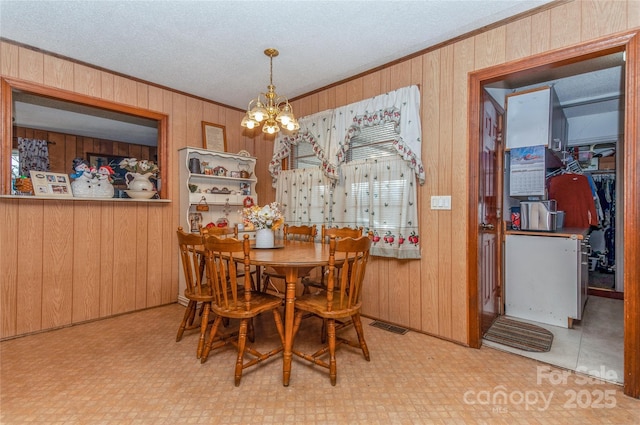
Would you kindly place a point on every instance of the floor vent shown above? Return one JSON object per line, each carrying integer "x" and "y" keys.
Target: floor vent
{"x": 390, "y": 328}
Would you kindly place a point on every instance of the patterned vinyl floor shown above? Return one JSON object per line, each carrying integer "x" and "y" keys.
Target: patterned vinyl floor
{"x": 129, "y": 370}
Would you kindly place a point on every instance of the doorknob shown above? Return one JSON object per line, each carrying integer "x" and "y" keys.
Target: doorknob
{"x": 486, "y": 226}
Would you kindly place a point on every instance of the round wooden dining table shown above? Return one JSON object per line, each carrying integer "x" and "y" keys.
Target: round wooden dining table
{"x": 292, "y": 259}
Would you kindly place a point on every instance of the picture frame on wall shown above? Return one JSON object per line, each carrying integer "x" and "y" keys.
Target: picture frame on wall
{"x": 214, "y": 137}
{"x": 46, "y": 183}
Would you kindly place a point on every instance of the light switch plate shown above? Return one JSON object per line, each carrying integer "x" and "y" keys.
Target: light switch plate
{"x": 441, "y": 202}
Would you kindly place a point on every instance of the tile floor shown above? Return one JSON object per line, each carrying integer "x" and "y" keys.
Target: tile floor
{"x": 129, "y": 370}
{"x": 594, "y": 346}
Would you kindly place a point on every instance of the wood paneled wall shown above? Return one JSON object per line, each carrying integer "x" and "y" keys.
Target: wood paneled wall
{"x": 64, "y": 262}
{"x": 430, "y": 295}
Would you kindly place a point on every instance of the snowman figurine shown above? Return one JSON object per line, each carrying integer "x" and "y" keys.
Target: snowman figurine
{"x": 103, "y": 188}
{"x": 82, "y": 186}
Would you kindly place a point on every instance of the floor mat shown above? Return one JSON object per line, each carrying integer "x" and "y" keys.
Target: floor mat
{"x": 522, "y": 336}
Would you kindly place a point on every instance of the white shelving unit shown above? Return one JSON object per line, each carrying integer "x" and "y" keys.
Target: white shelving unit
{"x": 221, "y": 205}
{"x": 224, "y": 195}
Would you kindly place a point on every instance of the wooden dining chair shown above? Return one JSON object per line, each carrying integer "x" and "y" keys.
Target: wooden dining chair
{"x": 197, "y": 289}
{"x": 320, "y": 281}
{"x": 229, "y": 232}
{"x": 233, "y": 298}
{"x": 290, "y": 233}
{"x": 341, "y": 300}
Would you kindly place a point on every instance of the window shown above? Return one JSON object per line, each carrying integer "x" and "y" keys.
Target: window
{"x": 376, "y": 191}
{"x": 302, "y": 156}
{"x": 373, "y": 142}
{"x": 365, "y": 158}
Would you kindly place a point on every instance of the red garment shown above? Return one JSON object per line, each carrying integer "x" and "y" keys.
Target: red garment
{"x": 573, "y": 196}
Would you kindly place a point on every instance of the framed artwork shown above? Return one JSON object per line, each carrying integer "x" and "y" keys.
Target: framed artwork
{"x": 99, "y": 159}
{"x": 46, "y": 183}
{"x": 214, "y": 137}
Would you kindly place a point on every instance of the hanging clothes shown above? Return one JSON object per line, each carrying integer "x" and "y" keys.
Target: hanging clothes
{"x": 606, "y": 188}
{"x": 34, "y": 155}
{"x": 573, "y": 195}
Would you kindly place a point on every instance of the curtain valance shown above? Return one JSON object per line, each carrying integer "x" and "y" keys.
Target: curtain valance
{"x": 329, "y": 132}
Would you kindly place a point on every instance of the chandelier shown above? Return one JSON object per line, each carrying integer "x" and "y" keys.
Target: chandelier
{"x": 270, "y": 108}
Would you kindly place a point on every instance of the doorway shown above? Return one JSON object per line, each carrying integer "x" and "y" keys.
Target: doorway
{"x": 629, "y": 254}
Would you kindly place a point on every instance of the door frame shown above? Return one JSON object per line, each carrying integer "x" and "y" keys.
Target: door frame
{"x": 630, "y": 43}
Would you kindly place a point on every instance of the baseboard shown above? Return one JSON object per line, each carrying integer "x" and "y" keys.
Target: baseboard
{"x": 604, "y": 293}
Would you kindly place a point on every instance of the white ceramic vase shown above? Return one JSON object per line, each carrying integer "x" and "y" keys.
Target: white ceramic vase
{"x": 265, "y": 238}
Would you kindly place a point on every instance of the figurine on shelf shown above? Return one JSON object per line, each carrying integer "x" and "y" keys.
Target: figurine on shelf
{"x": 82, "y": 186}
{"x": 104, "y": 187}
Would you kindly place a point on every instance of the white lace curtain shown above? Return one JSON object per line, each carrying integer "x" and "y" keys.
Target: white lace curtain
{"x": 377, "y": 194}
{"x": 305, "y": 196}
{"x": 33, "y": 154}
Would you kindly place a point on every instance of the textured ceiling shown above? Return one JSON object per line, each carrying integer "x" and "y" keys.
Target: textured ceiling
{"x": 214, "y": 49}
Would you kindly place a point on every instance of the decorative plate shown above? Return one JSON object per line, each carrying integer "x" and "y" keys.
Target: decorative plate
{"x": 244, "y": 153}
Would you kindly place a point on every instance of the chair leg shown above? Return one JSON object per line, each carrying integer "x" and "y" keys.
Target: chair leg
{"x": 212, "y": 336}
{"x": 331, "y": 333}
{"x": 242, "y": 341}
{"x": 189, "y": 314}
{"x": 357, "y": 324}
{"x": 251, "y": 332}
{"x": 323, "y": 332}
{"x": 204, "y": 323}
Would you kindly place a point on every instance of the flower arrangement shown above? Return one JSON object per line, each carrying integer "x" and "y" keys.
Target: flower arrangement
{"x": 266, "y": 217}
{"x": 140, "y": 166}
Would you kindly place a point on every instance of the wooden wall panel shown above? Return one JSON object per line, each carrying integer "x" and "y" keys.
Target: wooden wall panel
{"x": 429, "y": 225}
{"x": 87, "y": 80}
{"x": 87, "y": 227}
{"x": 518, "y": 39}
{"x": 107, "y": 254}
{"x": 125, "y": 243}
{"x": 444, "y": 151}
{"x": 466, "y": 56}
{"x": 540, "y": 32}
{"x": 29, "y": 266}
{"x": 107, "y": 86}
{"x": 154, "y": 259}
{"x": 633, "y": 14}
{"x": 57, "y": 264}
{"x": 565, "y": 28}
{"x": 9, "y": 267}
{"x": 141, "y": 255}
{"x": 489, "y": 49}
{"x": 602, "y": 17}
{"x": 194, "y": 127}
{"x": 9, "y": 63}
{"x": 31, "y": 65}
{"x": 61, "y": 75}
